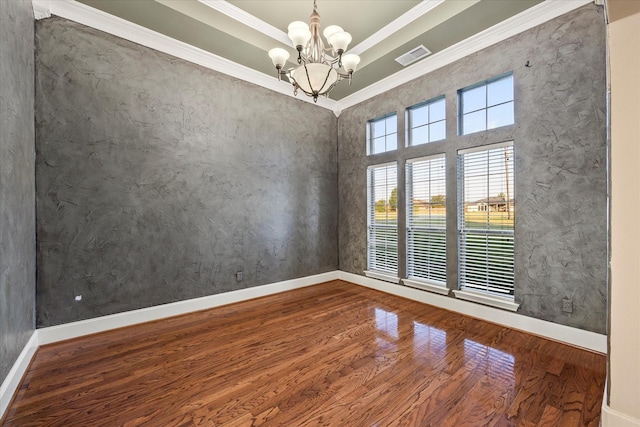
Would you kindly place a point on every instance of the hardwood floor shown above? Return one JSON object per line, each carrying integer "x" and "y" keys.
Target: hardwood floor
{"x": 334, "y": 354}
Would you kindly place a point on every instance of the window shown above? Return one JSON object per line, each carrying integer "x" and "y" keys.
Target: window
{"x": 382, "y": 215}
{"x": 426, "y": 122}
{"x": 426, "y": 220}
{"x": 382, "y": 134}
{"x": 487, "y": 105}
{"x": 486, "y": 212}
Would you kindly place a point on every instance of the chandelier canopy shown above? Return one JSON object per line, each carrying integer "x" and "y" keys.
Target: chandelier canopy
{"x": 317, "y": 72}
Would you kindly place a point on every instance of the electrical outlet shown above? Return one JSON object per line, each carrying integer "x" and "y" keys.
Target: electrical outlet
{"x": 567, "y": 306}
{"x": 239, "y": 276}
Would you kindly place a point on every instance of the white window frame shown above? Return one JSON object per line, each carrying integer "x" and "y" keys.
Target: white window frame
{"x": 492, "y": 284}
{"x": 430, "y": 122}
{"x": 380, "y": 234}
{"x": 387, "y": 134}
{"x": 487, "y": 106}
{"x": 426, "y": 270}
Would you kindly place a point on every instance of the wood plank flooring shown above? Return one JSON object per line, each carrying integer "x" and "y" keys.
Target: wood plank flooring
{"x": 334, "y": 354}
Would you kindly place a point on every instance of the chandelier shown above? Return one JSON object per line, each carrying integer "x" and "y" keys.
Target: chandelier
{"x": 319, "y": 69}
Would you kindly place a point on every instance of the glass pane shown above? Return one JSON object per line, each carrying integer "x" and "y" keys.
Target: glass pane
{"x": 474, "y": 99}
{"x": 392, "y": 142}
{"x": 427, "y": 257}
{"x": 486, "y": 257}
{"x": 382, "y": 212}
{"x": 500, "y": 91}
{"x": 378, "y": 145}
{"x": 378, "y": 129}
{"x": 419, "y": 135}
{"x": 419, "y": 116}
{"x": 474, "y": 122}
{"x": 500, "y": 115}
{"x": 437, "y": 131}
{"x": 436, "y": 111}
{"x": 392, "y": 124}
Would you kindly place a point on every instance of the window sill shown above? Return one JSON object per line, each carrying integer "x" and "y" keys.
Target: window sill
{"x": 426, "y": 286}
{"x": 490, "y": 300}
{"x": 381, "y": 276}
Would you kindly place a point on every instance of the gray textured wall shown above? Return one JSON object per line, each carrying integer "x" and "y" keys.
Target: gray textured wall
{"x": 560, "y": 140}
{"x": 157, "y": 179}
{"x": 17, "y": 180}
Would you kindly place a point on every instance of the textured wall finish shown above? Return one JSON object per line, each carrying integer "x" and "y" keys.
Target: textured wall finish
{"x": 17, "y": 186}
{"x": 157, "y": 180}
{"x": 561, "y": 177}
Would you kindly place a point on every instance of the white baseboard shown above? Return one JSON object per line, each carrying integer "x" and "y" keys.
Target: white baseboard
{"x": 578, "y": 337}
{"x": 67, "y": 331}
{"x": 554, "y": 331}
{"x": 100, "y": 324}
{"x": 12, "y": 381}
{"x": 612, "y": 418}
{"x": 574, "y": 336}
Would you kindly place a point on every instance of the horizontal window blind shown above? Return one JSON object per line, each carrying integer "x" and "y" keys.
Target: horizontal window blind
{"x": 382, "y": 218}
{"x": 486, "y": 210}
{"x": 426, "y": 220}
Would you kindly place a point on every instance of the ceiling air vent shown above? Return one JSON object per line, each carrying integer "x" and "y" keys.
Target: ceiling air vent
{"x": 413, "y": 55}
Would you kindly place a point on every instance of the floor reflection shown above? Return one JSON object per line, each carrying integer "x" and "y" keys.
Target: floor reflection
{"x": 496, "y": 362}
{"x": 429, "y": 343}
{"x": 432, "y": 348}
{"x": 386, "y": 332}
{"x": 387, "y": 322}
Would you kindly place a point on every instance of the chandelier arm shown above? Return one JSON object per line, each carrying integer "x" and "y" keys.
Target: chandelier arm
{"x": 333, "y": 60}
{"x": 345, "y": 76}
{"x": 304, "y": 59}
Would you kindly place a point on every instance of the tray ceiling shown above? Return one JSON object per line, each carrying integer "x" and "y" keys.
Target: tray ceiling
{"x": 243, "y": 31}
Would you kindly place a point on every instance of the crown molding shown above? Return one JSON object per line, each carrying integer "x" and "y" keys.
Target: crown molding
{"x": 526, "y": 20}
{"x": 269, "y": 30}
{"x": 119, "y": 27}
{"x": 248, "y": 19}
{"x": 397, "y": 24}
{"x": 41, "y": 9}
{"x": 78, "y": 12}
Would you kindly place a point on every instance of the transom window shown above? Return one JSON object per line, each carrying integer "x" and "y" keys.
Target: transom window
{"x": 382, "y": 134}
{"x": 426, "y": 122}
{"x": 486, "y": 105}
